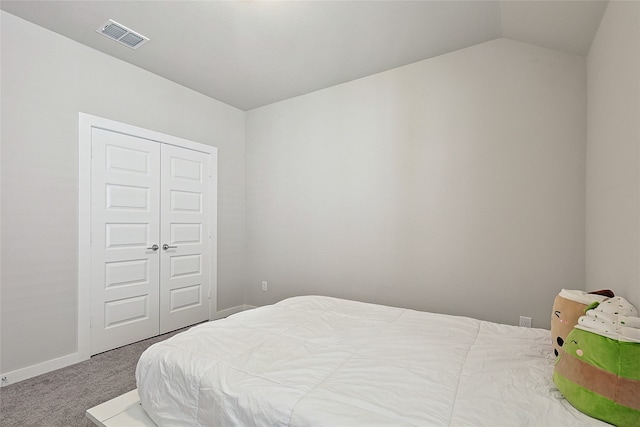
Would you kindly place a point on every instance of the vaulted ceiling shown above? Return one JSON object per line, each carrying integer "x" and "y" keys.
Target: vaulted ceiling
{"x": 253, "y": 53}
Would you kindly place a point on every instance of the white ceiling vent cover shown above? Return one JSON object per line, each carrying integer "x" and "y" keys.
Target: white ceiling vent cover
{"x": 122, "y": 34}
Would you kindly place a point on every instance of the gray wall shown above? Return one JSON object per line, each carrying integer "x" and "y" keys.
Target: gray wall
{"x": 46, "y": 80}
{"x": 455, "y": 184}
{"x": 613, "y": 153}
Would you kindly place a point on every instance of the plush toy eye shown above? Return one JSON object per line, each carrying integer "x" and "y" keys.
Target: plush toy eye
{"x": 557, "y": 313}
{"x": 560, "y": 341}
{"x": 574, "y": 342}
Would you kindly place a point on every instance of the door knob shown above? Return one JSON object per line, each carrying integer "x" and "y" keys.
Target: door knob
{"x": 165, "y": 247}
{"x": 154, "y": 247}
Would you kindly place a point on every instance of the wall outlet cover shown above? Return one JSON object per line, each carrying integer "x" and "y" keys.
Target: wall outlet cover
{"x": 525, "y": 321}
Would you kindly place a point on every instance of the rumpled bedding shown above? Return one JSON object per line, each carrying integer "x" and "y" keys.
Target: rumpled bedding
{"x": 321, "y": 361}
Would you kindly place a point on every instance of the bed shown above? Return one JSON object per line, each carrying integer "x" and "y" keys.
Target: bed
{"x": 321, "y": 361}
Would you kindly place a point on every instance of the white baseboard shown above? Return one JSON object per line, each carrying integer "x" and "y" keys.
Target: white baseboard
{"x": 229, "y": 311}
{"x": 39, "y": 369}
{"x": 64, "y": 361}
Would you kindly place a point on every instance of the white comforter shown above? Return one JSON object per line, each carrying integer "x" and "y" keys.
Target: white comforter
{"x": 319, "y": 361}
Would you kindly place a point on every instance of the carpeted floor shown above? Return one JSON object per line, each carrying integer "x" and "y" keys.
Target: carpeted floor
{"x": 60, "y": 398}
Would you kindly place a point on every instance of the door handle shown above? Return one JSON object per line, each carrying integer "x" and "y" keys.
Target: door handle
{"x": 165, "y": 247}
{"x": 154, "y": 247}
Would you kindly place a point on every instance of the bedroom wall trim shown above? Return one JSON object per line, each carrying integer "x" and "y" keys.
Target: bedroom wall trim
{"x": 64, "y": 361}
{"x": 22, "y": 374}
{"x": 229, "y": 311}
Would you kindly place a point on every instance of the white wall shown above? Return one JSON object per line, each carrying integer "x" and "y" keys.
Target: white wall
{"x": 613, "y": 153}
{"x": 46, "y": 80}
{"x": 455, "y": 184}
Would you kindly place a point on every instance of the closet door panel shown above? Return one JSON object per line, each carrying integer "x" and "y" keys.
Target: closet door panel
{"x": 125, "y": 206}
{"x": 185, "y": 230}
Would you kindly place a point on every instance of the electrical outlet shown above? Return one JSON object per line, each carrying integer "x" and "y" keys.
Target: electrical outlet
{"x": 265, "y": 286}
{"x": 525, "y": 321}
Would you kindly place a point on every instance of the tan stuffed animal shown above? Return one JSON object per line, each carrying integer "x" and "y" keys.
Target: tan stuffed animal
{"x": 568, "y": 306}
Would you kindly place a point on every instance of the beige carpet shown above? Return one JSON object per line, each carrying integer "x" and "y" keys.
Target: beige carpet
{"x": 60, "y": 398}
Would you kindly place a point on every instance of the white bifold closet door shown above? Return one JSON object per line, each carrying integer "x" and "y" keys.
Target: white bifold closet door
{"x": 150, "y": 248}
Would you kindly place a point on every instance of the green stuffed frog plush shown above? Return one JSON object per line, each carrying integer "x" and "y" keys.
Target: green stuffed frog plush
{"x": 598, "y": 369}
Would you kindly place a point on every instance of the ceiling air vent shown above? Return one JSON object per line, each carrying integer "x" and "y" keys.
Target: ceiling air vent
{"x": 122, "y": 34}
